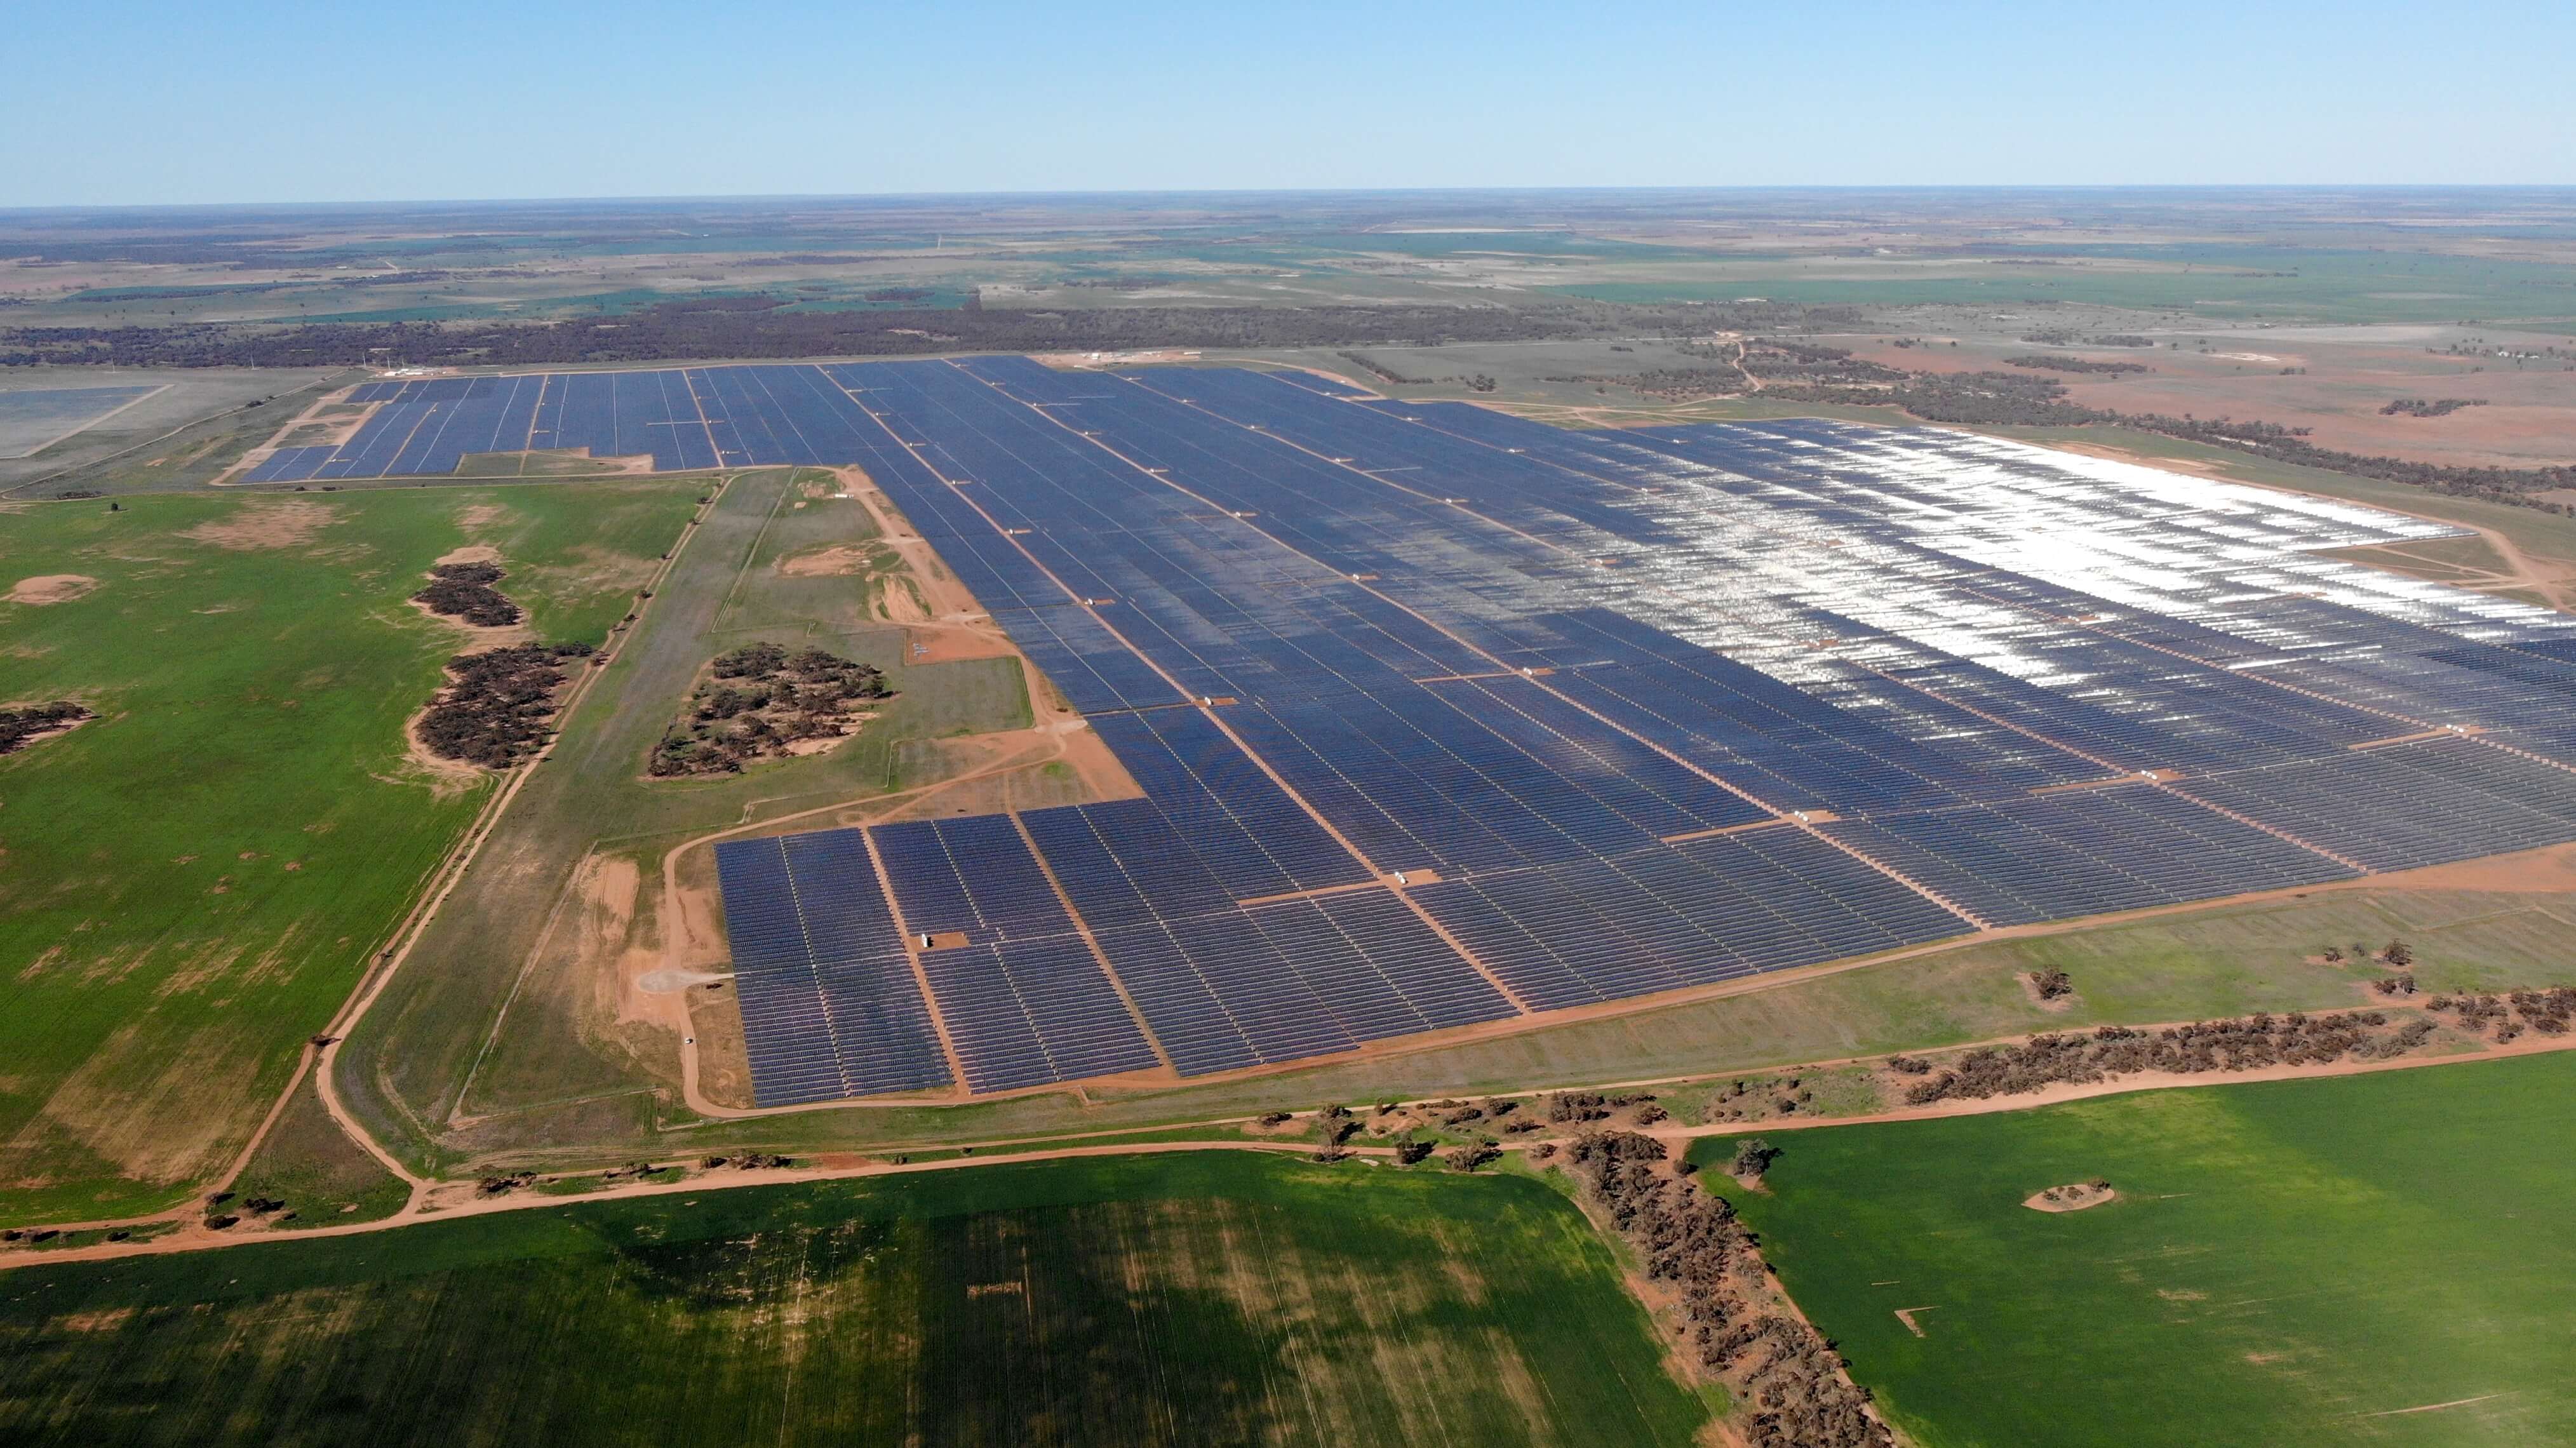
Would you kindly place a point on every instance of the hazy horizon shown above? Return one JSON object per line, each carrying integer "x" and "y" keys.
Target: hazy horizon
{"x": 300, "y": 104}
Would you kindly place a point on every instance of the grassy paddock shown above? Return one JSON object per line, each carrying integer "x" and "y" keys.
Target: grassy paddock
{"x": 1197, "y": 1298}
{"x": 506, "y": 1008}
{"x": 325, "y": 1179}
{"x": 192, "y": 882}
{"x": 2286, "y": 1263}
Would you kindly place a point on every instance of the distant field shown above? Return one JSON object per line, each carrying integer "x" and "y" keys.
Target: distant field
{"x": 1209, "y": 1298}
{"x": 2371, "y": 1259}
{"x": 32, "y": 418}
{"x": 2217, "y": 282}
{"x": 193, "y": 881}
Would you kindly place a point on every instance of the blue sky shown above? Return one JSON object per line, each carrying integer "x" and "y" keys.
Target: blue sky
{"x": 116, "y": 103}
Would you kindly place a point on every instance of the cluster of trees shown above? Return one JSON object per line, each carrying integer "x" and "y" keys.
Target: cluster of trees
{"x": 2079, "y": 1191}
{"x": 1564, "y": 1107}
{"x": 2550, "y": 1012}
{"x": 1381, "y": 371}
{"x": 749, "y": 1161}
{"x": 499, "y": 705}
{"x": 24, "y": 726}
{"x": 501, "y": 1184}
{"x": 1985, "y": 399}
{"x": 464, "y": 590}
{"x": 767, "y": 327}
{"x": 2061, "y": 337}
{"x": 1750, "y": 364}
{"x": 761, "y": 700}
{"x": 1774, "y": 359}
{"x": 2429, "y": 407}
{"x": 2045, "y": 363}
{"x": 1787, "y": 1096}
{"x": 1672, "y": 384}
{"x": 2396, "y": 952}
{"x": 1478, "y": 382}
{"x": 1782, "y": 1369}
{"x": 2250, "y": 1044}
{"x": 2052, "y": 984}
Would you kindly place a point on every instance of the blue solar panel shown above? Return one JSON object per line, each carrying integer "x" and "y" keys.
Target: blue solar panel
{"x": 1333, "y": 637}
{"x": 831, "y": 1007}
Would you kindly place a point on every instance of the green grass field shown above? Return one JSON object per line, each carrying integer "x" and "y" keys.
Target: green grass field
{"x": 1209, "y": 1298}
{"x": 2286, "y": 1263}
{"x": 193, "y": 882}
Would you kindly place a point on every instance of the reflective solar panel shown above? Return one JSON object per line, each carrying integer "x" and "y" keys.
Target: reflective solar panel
{"x": 1629, "y": 711}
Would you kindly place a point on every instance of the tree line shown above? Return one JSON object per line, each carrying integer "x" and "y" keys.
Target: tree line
{"x": 1777, "y": 1366}
{"x": 2249, "y": 1044}
{"x": 762, "y": 327}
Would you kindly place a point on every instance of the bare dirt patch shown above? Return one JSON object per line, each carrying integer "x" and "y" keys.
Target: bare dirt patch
{"x": 47, "y": 588}
{"x": 900, "y": 601}
{"x": 264, "y": 525}
{"x": 839, "y": 560}
{"x": 471, "y": 552}
{"x": 947, "y": 643}
{"x": 2072, "y": 1198}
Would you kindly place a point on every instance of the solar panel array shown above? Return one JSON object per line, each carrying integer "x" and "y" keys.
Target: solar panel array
{"x": 1442, "y": 717}
{"x": 829, "y": 1008}
{"x": 1025, "y": 998}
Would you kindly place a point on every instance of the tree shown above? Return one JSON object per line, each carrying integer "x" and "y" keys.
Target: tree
{"x": 1472, "y": 1155}
{"x": 1753, "y": 1157}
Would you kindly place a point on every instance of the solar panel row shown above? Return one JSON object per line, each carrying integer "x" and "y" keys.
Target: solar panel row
{"x": 830, "y": 1006}
{"x": 2406, "y": 805}
{"x": 2083, "y": 852}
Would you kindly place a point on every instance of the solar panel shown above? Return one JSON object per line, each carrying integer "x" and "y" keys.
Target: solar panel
{"x": 1631, "y": 711}
{"x": 830, "y": 1004}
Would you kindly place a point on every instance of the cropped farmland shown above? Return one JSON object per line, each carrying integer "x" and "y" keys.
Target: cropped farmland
{"x": 2376, "y": 1258}
{"x": 193, "y": 880}
{"x": 1201, "y": 1298}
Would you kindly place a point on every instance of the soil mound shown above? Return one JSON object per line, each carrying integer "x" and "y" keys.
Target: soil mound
{"x": 47, "y": 588}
